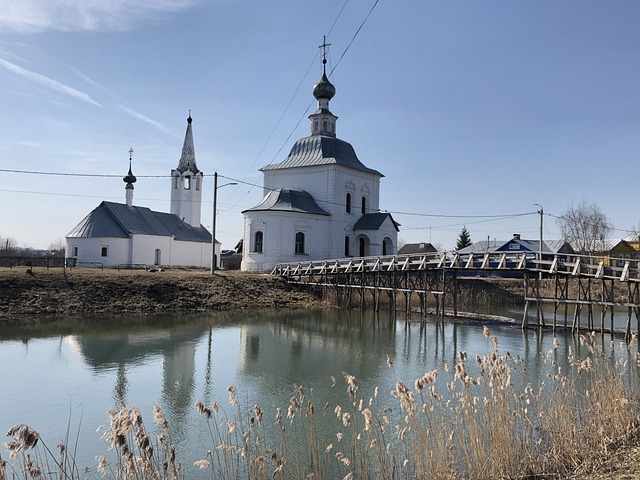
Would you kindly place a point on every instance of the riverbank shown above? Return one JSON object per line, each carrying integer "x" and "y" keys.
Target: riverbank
{"x": 27, "y": 293}
{"x": 47, "y": 294}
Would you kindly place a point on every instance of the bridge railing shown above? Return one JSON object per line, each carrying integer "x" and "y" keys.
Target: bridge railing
{"x": 482, "y": 263}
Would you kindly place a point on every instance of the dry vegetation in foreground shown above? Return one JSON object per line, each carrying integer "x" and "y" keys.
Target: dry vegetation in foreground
{"x": 473, "y": 421}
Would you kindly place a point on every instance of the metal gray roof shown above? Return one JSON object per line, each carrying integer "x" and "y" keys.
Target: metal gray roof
{"x": 118, "y": 220}
{"x": 373, "y": 221}
{"x": 423, "y": 247}
{"x": 548, "y": 246}
{"x": 609, "y": 244}
{"x": 289, "y": 200}
{"x": 321, "y": 150}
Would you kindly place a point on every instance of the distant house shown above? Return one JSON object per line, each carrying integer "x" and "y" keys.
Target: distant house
{"x": 617, "y": 251}
{"x": 115, "y": 234}
{"x": 634, "y": 241}
{"x": 413, "y": 248}
{"x": 517, "y": 244}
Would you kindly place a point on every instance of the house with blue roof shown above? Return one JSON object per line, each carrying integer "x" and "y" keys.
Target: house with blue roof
{"x": 517, "y": 244}
{"x": 115, "y": 234}
{"x": 320, "y": 202}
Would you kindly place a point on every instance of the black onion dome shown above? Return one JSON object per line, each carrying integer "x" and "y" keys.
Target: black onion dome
{"x": 324, "y": 88}
{"x": 130, "y": 178}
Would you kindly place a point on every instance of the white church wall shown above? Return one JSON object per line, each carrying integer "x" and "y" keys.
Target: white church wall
{"x": 91, "y": 251}
{"x": 279, "y": 231}
{"x": 144, "y": 249}
{"x": 194, "y": 254}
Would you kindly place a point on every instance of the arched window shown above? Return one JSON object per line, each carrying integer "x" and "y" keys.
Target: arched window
{"x": 346, "y": 245}
{"x": 363, "y": 247}
{"x": 384, "y": 247}
{"x": 187, "y": 182}
{"x": 299, "y": 243}
{"x": 348, "y": 203}
{"x": 157, "y": 257}
{"x": 257, "y": 242}
{"x": 364, "y": 205}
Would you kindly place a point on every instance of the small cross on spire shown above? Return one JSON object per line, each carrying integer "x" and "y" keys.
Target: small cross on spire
{"x": 130, "y": 154}
{"x": 324, "y": 49}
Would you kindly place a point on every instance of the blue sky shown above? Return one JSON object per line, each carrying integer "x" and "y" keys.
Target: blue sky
{"x": 469, "y": 108}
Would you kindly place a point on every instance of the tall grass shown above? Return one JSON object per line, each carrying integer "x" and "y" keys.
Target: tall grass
{"x": 479, "y": 419}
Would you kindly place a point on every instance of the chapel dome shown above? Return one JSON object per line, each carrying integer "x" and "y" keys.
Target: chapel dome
{"x": 324, "y": 88}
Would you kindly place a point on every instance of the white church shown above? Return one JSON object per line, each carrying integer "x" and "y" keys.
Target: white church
{"x": 116, "y": 234}
{"x": 321, "y": 202}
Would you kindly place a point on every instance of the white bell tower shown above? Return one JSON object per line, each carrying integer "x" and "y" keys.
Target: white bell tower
{"x": 186, "y": 183}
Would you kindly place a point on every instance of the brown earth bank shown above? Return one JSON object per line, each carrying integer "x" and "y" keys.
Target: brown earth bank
{"x": 29, "y": 295}
{"x": 28, "y": 292}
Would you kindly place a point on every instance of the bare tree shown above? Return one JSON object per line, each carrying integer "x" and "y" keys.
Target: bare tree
{"x": 57, "y": 248}
{"x": 8, "y": 246}
{"x": 584, "y": 226}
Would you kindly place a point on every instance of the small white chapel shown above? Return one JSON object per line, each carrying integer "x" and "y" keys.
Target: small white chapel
{"x": 116, "y": 234}
{"x": 321, "y": 202}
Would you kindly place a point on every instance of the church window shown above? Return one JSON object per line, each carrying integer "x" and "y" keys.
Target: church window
{"x": 315, "y": 127}
{"x": 348, "y": 203}
{"x": 104, "y": 251}
{"x": 187, "y": 182}
{"x": 299, "y": 247}
{"x": 364, "y": 205}
{"x": 324, "y": 126}
{"x": 257, "y": 242}
{"x": 363, "y": 247}
{"x": 346, "y": 245}
{"x": 198, "y": 181}
{"x": 75, "y": 251}
{"x": 157, "y": 257}
{"x": 384, "y": 247}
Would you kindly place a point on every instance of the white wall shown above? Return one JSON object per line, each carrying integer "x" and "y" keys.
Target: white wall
{"x": 90, "y": 249}
{"x": 141, "y": 249}
{"x": 279, "y": 231}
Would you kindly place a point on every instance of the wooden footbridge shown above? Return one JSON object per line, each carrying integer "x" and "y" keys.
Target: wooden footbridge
{"x": 587, "y": 285}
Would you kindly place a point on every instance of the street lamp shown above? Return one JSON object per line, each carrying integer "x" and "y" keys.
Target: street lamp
{"x": 213, "y": 225}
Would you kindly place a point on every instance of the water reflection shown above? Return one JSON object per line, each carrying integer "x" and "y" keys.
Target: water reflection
{"x": 91, "y": 365}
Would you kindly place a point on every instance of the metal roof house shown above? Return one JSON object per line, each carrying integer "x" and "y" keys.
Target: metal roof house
{"x": 320, "y": 202}
{"x": 115, "y": 234}
{"x": 417, "y": 248}
{"x": 518, "y": 244}
{"x": 617, "y": 251}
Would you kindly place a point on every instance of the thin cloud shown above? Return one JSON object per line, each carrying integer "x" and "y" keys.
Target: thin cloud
{"x": 91, "y": 15}
{"x": 144, "y": 118}
{"x": 49, "y": 82}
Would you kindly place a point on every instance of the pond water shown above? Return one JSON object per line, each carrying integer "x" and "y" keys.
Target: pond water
{"x": 62, "y": 379}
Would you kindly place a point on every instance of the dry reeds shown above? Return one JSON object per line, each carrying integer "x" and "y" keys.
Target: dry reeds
{"x": 484, "y": 419}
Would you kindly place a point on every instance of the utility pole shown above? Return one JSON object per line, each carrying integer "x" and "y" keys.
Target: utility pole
{"x": 541, "y": 212}
{"x": 213, "y": 224}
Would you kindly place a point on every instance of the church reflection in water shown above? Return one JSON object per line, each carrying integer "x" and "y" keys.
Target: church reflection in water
{"x": 264, "y": 352}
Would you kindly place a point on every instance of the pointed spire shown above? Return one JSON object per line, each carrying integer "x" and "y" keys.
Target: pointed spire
{"x": 188, "y": 157}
